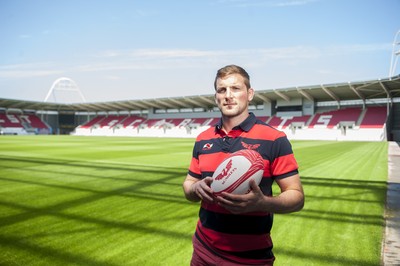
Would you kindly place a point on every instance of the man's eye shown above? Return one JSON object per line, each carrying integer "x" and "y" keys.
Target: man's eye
{"x": 221, "y": 90}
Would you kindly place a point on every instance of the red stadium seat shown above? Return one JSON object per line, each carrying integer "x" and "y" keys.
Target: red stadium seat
{"x": 93, "y": 122}
{"x": 284, "y": 122}
{"x": 10, "y": 120}
{"x": 132, "y": 121}
{"x": 34, "y": 121}
{"x": 375, "y": 117}
{"x": 333, "y": 118}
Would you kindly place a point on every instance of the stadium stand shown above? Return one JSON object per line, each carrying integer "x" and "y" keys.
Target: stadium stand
{"x": 364, "y": 110}
{"x": 22, "y": 124}
{"x": 111, "y": 121}
{"x": 344, "y": 124}
{"x": 287, "y": 121}
{"x": 10, "y": 120}
{"x": 334, "y": 118}
{"x": 106, "y": 125}
{"x": 34, "y": 121}
{"x": 132, "y": 121}
{"x": 93, "y": 122}
{"x": 352, "y": 123}
{"x": 375, "y": 117}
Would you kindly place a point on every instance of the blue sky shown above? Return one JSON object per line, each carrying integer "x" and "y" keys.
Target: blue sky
{"x": 122, "y": 50}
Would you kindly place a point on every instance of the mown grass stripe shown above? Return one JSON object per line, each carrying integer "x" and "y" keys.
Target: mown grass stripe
{"x": 67, "y": 200}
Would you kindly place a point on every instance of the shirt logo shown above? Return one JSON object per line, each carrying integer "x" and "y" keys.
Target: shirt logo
{"x": 207, "y": 146}
{"x": 250, "y": 146}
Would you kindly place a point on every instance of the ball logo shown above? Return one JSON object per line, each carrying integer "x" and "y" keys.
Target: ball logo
{"x": 226, "y": 172}
{"x": 233, "y": 174}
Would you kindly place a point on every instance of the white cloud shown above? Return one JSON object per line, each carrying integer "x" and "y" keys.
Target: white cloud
{"x": 266, "y": 3}
{"x": 17, "y": 71}
{"x": 17, "y": 74}
{"x": 292, "y": 3}
{"x": 151, "y": 59}
{"x": 25, "y": 36}
{"x": 356, "y": 48}
{"x": 111, "y": 77}
{"x": 173, "y": 53}
{"x": 145, "y": 13}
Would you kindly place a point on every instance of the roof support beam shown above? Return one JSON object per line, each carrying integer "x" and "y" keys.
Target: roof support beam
{"x": 283, "y": 96}
{"x": 262, "y": 97}
{"x": 154, "y": 104}
{"x": 149, "y": 104}
{"x": 121, "y": 105}
{"x": 162, "y": 102}
{"x": 137, "y": 103}
{"x": 177, "y": 102}
{"x": 212, "y": 102}
{"x": 359, "y": 94}
{"x": 305, "y": 94}
{"x": 99, "y": 106}
{"x": 196, "y": 103}
{"x": 389, "y": 96}
{"x": 331, "y": 94}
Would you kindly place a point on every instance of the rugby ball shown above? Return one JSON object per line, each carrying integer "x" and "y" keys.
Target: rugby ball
{"x": 234, "y": 173}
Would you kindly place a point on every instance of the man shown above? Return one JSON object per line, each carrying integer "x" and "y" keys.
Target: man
{"x": 235, "y": 229}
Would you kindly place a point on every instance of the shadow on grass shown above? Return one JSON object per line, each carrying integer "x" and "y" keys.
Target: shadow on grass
{"x": 57, "y": 256}
{"x": 346, "y": 209}
{"x": 319, "y": 259}
{"x": 336, "y": 190}
{"x": 94, "y": 165}
{"x": 133, "y": 190}
{"x": 344, "y": 183}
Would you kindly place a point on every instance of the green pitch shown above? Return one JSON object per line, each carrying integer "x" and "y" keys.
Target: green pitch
{"x": 68, "y": 200}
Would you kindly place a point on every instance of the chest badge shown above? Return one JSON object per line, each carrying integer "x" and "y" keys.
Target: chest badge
{"x": 250, "y": 146}
{"x": 207, "y": 146}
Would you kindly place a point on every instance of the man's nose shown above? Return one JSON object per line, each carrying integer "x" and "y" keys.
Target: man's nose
{"x": 228, "y": 93}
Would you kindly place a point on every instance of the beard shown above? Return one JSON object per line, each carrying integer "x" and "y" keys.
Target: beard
{"x": 232, "y": 110}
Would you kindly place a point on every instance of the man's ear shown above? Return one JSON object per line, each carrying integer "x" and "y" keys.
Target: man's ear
{"x": 250, "y": 94}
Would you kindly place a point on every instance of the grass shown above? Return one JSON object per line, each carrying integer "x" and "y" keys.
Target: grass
{"x": 67, "y": 200}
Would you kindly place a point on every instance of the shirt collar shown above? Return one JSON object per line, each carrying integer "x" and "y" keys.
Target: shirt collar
{"x": 246, "y": 125}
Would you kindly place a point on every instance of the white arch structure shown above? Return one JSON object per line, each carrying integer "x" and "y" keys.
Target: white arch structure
{"x": 64, "y": 84}
{"x": 395, "y": 54}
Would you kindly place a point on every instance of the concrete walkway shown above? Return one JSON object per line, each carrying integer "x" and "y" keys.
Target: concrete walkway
{"x": 391, "y": 243}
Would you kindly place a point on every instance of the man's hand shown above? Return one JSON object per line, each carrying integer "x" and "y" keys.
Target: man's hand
{"x": 291, "y": 198}
{"x": 250, "y": 202}
{"x": 198, "y": 189}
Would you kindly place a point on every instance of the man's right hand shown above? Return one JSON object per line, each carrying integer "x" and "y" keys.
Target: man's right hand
{"x": 198, "y": 189}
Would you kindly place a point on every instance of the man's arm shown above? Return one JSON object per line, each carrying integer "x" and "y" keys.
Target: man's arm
{"x": 198, "y": 189}
{"x": 291, "y": 198}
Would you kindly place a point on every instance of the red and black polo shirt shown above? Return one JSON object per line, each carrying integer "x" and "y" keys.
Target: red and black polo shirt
{"x": 243, "y": 238}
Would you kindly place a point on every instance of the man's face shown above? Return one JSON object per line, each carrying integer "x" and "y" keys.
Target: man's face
{"x": 232, "y": 96}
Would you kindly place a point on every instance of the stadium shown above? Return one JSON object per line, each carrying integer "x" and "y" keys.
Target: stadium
{"x": 95, "y": 183}
{"x": 363, "y": 111}
{"x": 75, "y": 196}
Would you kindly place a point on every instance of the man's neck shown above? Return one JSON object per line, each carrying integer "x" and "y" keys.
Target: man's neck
{"x": 230, "y": 122}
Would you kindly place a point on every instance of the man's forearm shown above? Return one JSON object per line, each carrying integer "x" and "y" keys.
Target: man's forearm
{"x": 188, "y": 189}
{"x": 286, "y": 202}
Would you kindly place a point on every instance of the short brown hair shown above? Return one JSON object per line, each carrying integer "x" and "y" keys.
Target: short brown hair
{"x": 232, "y": 69}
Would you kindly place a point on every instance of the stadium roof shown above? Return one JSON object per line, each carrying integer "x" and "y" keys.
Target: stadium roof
{"x": 363, "y": 90}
